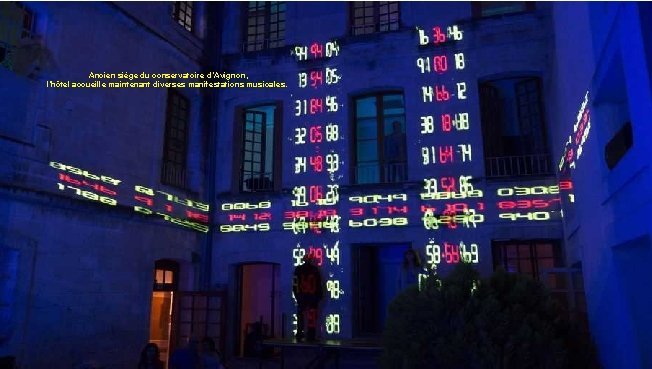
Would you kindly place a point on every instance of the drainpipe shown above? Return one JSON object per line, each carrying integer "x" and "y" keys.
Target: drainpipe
{"x": 213, "y": 12}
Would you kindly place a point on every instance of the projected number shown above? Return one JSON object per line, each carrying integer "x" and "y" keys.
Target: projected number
{"x": 433, "y": 252}
{"x": 333, "y": 323}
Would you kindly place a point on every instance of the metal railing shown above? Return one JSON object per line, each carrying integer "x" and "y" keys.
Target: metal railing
{"x": 517, "y": 166}
{"x": 379, "y": 173}
{"x": 174, "y": 174}
{"x": 256, "y": 182}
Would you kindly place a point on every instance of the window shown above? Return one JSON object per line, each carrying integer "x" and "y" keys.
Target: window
{"x": 176, "y": 140}
{"x": 16, "y": 24}
{"x": 182, "y": 14}
{"x": 265, "y": 25}
{"x": 260, "y": 133}
{"x": 491, "y": 8}
{"x": 374, "y": 16}
{"x": 529, "y": 257}
{"x": 513, "y": 128}
{"x": 166, "y": 275}
{"x": 380, "y": 145}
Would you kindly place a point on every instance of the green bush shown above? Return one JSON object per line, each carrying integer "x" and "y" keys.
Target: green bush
{"x": 462, "y": 321}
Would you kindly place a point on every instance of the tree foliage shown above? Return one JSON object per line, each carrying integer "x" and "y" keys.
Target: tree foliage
{"x": 465, "y": 322}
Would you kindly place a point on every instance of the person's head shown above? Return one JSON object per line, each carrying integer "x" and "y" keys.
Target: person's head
{"x": 411, "y": 258}
{"x": 207, "y": 344}
{"x": 396, "y": 127}
{"x": 149, "y": 353}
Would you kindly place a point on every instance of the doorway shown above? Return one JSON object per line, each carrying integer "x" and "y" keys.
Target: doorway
{"x": 376, "y": 269}
{"x": 259, "y": 306}
{"x": 166, "y": 283}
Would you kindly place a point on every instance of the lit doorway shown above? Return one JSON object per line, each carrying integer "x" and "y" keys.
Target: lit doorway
{"x": 376, "y": 269}
{"x": 259, "y": 306}
{"x": 166, "y": 276}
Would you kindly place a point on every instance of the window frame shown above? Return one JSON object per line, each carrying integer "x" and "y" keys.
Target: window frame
{"x": 376, "y": 18}
{"x": 477, "y": 9}
{"x": 267, "y": 23}
{"x": 493, "y": 139}
{"x": 238, "y": 139}
{"x": 500, "y": 258}
{"x": 176, "y": 11}
{"x": 168, "y": 140}
{"x": 380, "y": 136}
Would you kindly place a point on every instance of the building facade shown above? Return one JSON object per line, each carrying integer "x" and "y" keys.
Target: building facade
{"x": 601, "y": 106}
{"x": 97, "y": 183}
{"x": 384, "y": 126}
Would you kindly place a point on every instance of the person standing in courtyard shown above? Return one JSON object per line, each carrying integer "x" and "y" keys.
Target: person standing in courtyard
{"x": 308, "y": 291}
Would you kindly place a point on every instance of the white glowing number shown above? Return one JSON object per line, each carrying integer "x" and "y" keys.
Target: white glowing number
{"x": 429, "y": 155}
{"x": 301, "y": 107}
{"x": 294, "y": 322}
{"x": 332, "y": 132}
{"x": 430, "y": 221}
{"x": 301, "y": 52}
{"x": 430, "y": 185}
{"x": 298, "y": 254}
{"x": 433, "y": 252}
{"x": 460, "y": 62}
{"x": 331, "y": 76}
{"x": 469, "y": 256}
{"x": 300, "y": 164}
{"x": 303, "y": 79}
{"x": 332, "y": 196}
{"x": 465, "y": 150}
{"x": 427, "y": 124}
{"x": 455, "y": 33}
{"x": 299, "y": 193}
{"x": 461, "y": 90}
{"x": 333, "y": 161}
{"x": 424, "y": 64}
{"x": 331, "y": 102}
{"x": 333, "y": 253}
{"x": 333, "y": 286}
{"x": 461, "y": 121}
{"x": 332, "y": 49}
{"x": 333, "y": 323}
{"x": 300, "y": 135}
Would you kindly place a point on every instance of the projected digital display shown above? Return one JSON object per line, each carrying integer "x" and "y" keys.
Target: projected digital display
{"x": 245, "y": 216}
{"x": 107, "y": 190}
{"x": 574, "y": 146}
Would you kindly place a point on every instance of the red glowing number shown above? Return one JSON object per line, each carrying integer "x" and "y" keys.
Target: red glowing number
{"x": 448, "y": 184}
{"x": 317, "y": 253}
{"x": 316, "y": 193}
{"x": 445, "y": 154}
{"x": 197, "y": 216}
{"x": 317, "y": 50}
{"x": 446, "y": 123}
{"x": 440, "y": 63}
{"x": 569, "y": 155}
{"x": 315, "y": 134}
{"x": 565, "y": 185}
{"x": 438, "y": 36}
{"x": 458, "y": 207}
{"x": 326, "y": 213}
{"x": 449, "y": 217}
{"x": 316, "y": 78}
{"x": 263, "y": 216}
{"x": 233, "y": 217}
{"x": 356, "y": 212}
{"x": 316, "y": 106}
{"x": 317, "y": 163}
{"x": 452, "y": 253}
{"x": 506, "y": 205}
{"x": 145, "y": 200}
{"x": 441, "y": 94}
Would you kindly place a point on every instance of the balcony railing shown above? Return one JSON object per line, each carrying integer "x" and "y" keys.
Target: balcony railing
{"x": 377, "y": 173}
{"x": 257, "y": 182}
{"x": 173, "y": 174}
{"x": 517, "y": 166}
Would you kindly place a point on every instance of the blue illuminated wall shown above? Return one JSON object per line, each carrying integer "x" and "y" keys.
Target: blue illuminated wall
{"x": 421, "y": 211}
{"x": 607, "y": 229}
{"x": 77, "y": 274}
